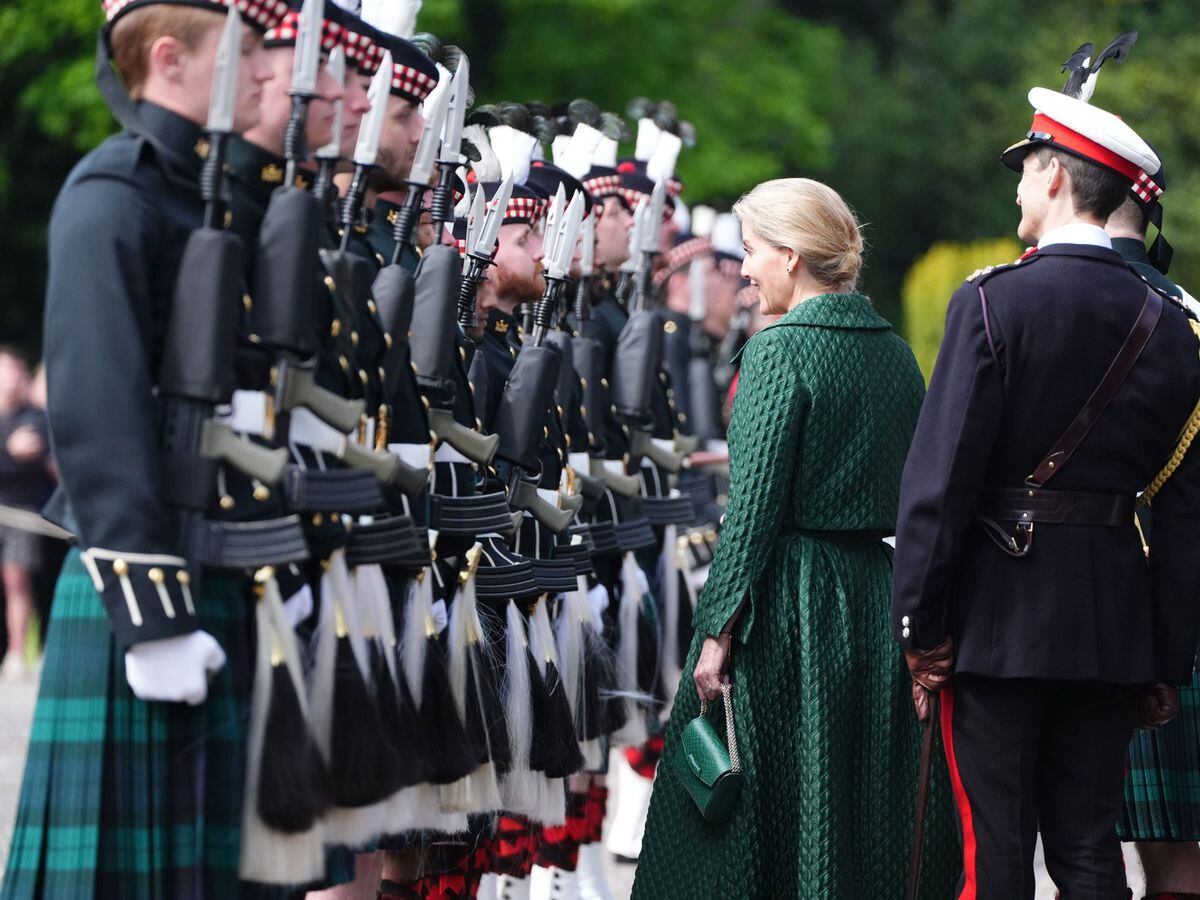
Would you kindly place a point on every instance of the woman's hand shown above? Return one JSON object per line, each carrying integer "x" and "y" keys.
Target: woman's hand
{"x": 710, "y": 669}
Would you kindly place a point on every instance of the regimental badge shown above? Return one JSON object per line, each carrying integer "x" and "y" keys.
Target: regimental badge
{"x": 392, "y": 216}
{"x": 271, "y": 174}
{"x": 202, "y": 148}
{"x": 669, "y": 326}
{"x": 501, "y": 327}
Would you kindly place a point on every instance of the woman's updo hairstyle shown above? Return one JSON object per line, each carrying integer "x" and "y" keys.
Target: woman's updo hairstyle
{"x": 813, "y": 220}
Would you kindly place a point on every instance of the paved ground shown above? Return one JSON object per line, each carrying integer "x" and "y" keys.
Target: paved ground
{"x": 16, "y": 709}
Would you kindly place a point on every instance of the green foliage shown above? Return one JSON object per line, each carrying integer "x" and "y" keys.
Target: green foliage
{"x": 933, "y": 278}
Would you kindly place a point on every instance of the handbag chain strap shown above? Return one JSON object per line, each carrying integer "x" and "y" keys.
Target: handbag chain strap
{"x": 730, "y": 733}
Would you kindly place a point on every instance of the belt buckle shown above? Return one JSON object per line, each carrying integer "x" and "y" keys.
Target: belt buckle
{"x": 1023, "y": 529}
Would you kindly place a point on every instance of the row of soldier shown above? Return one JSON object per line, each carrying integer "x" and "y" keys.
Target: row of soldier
{"x": 375, "y": 429}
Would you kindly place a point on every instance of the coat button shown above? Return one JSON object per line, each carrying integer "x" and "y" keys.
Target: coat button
{"x": 906, "y": 621}
{"x": 904, "y": 633}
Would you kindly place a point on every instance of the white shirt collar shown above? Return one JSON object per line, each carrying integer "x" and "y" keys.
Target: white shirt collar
{"x": 1076, "y": 233}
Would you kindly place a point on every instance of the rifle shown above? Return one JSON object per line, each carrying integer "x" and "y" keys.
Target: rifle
{"x": 196, "y": 373}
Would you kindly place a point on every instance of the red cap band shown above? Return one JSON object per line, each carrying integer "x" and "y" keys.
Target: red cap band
{"x": 1085, "y": 146}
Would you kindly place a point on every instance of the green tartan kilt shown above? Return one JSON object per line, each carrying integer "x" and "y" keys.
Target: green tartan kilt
{"x": 1162, "y": 785}
{"x": 123, "y": 798}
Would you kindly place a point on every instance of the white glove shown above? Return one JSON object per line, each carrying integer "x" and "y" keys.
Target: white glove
{"x": 174, "y": 669}
{"x": 299, "y": 606}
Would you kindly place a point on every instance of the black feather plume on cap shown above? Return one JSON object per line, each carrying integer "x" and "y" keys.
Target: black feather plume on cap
{"x": 429, "y": 45}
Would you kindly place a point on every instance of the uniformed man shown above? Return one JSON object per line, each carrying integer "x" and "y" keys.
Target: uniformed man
{"x": 1037, "y": 594}
{"x": 138, "y": 747}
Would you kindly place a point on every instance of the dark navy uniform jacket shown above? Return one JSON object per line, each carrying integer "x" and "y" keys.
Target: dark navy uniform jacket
{"x": 117, "y": 234}
{"x": 1085, "y": 603}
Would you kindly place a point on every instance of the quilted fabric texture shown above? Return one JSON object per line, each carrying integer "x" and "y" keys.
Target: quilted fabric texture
{"x": 826, "y": 407}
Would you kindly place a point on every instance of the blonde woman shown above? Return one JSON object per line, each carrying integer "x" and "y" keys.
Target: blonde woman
{"x": 796, "y": 610}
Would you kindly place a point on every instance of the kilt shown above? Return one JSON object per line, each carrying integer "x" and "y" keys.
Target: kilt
{"x": 1162, "y": 785}
{"x": 123, "y": 798}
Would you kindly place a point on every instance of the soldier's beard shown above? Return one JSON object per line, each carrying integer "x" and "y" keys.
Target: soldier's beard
{"x": 514, "y": 288}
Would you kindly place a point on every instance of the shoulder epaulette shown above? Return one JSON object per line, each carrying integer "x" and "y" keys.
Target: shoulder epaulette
{"x": 987, "y": 272}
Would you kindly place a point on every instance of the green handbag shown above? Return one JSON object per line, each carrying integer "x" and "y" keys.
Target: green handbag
{"x": 711, "y": 772}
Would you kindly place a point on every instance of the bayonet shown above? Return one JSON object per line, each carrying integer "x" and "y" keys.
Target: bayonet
{"x": 483, "y": 229}
{"x": 434, "y": 109}
{"x": 306, "y": 65}
{"x": 442, "y": 208}
{"x": 219, "y": 126}
{"x": 328, "y": 155}
{"x": 366, "y": 149}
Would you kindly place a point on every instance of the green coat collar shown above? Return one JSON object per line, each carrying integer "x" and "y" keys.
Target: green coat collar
{"x": 853, "y": 312}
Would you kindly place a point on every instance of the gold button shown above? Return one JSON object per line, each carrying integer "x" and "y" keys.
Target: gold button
{"x": 345, "y": 364}
{"x": 335, "y": 327}
{"x": 545, "y": 432}
{"x": 387, "y": 341}
{"x": 354, "y": 338}
{"x": 156, "y": 575}
{"x": 120, "y": 567}
{"x": 372, "y": 307}
{"x": 318, "y": 519}
{"x": 462, "y": 354}
{"x": 227, "y": 502}
{"x": 363, "y": 376}
{"x": 261, "y": 493}
{"x": 183, "y": 577}
{"x": 247, "y": 302}
{"x": 669, "y": 326}
{"x": 604, "y": 382}
{"x": 329, "y": 283}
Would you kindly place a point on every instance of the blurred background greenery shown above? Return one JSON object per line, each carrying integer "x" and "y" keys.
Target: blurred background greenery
{"x": 902, "y": 106}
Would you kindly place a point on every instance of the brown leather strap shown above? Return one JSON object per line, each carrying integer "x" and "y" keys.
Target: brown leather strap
{"x": 1102, "y": 396}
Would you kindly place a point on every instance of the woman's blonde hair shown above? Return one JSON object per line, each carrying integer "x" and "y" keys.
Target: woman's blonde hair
{"x": 813, "y": 220}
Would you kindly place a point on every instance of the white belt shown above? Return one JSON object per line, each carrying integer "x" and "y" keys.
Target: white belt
{"x": 664, "y": 443}
{"x": 447, "y": 454}
{"x": 248, "y": 412}
{"x": 579, "y": 462}
{"x": 550, "y": 497}
{"x": 616, "y": 466}
{"x": 415, "y": 456}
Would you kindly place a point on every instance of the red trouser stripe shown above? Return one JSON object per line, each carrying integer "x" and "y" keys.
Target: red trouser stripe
{"x": 970, "y": 887}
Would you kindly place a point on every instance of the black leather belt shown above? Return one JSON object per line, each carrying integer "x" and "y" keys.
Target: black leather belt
{"x": 1030, "y": 504}
{"x": 1027, "y": 506}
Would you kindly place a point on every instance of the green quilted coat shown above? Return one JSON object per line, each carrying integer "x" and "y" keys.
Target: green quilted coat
{"x": 826, "y": 406}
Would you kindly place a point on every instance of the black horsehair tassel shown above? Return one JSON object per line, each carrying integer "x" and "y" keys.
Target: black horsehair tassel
{"x": 365, "y": 764}
{"x": 293, "y": 788}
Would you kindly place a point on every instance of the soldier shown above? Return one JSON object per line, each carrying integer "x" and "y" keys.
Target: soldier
{"x": 144, "y": 763}
{"x": 1160, "y": 814}
{"x": 1038, "y": 597}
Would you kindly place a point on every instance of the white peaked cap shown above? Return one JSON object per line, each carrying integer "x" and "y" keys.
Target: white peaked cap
{"x": 514, "y": 149}
{"x": 395, "y": 17}
{"x": 1085, "y": 130}
{"x": 727, "y": 235}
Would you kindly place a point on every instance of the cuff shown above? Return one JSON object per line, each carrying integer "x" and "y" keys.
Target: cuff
{"x": 148, "y": 596}
{"x": 918, "y": 630}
